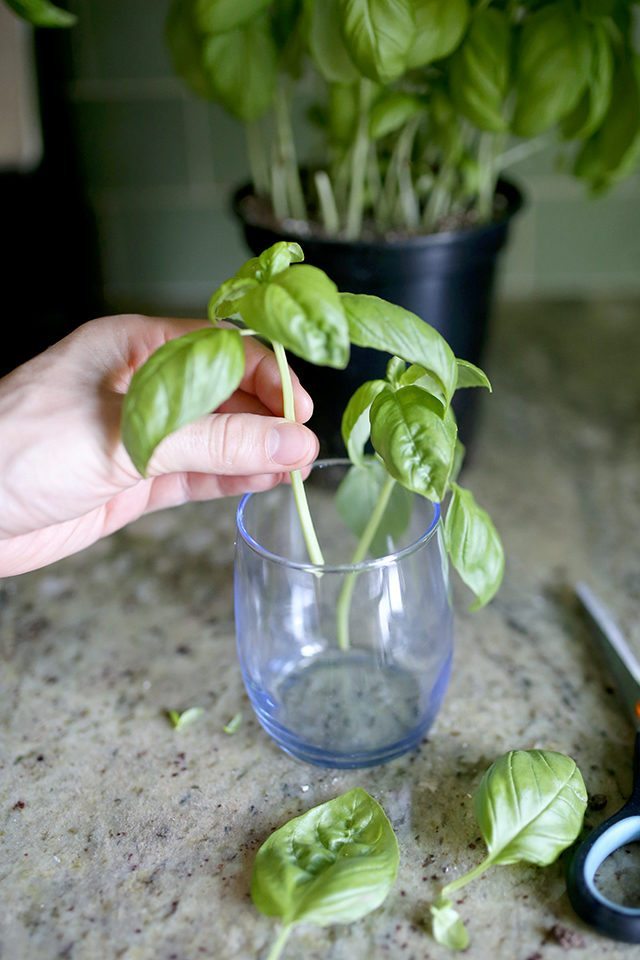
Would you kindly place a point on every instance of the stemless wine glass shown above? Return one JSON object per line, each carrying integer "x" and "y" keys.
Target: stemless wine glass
{"x": 346, "y": 664}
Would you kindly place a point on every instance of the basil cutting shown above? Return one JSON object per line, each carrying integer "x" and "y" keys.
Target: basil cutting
{"x": 333, "y": 864}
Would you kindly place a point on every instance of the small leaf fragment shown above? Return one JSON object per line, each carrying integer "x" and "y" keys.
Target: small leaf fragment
{"x": 447, "y": 925}
{"x": 234, "y": 724}
{"x": 179, "y": 720}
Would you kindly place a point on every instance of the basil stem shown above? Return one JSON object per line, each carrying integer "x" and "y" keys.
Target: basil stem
{"x": 369, "y": 532}
{"x": 279, "y": 943}
{"x": 466, "y": 877}
{"x": 300, "y": 497}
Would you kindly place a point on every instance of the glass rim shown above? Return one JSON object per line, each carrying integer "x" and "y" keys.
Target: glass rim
{"x": 315, "y": 568}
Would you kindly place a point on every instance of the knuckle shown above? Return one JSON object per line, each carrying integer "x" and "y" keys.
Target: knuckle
{"x": 227, "y": 440}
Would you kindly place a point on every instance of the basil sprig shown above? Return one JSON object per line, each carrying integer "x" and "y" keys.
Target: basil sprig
{"x": 333, "y": 864}
{"x": 407, "y": 416}
{"x": 529, "y": 806}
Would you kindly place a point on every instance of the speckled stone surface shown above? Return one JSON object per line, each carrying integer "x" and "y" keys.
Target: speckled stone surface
{"x": 121, "y": 837}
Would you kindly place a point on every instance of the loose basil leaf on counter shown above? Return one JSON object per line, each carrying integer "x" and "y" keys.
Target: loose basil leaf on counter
{"x": 378, "y": 35}
{"x": 219, "y": 16}
{"x": 301, "y": 310}
{"x": 333, "y": 864}
{"x": 530, "y": 806}
{"x": 415, "y": 442}
{"x": 356, "y": 426}
{"x": 473, "y": 545}
{"x": 41, "y": 13}
{"x": 440, "y": 26}
{"x": 447, "y": 926}
{"x": 471, "y": 376}
{"x": 384, "y": 326}
{"x": 183, "y": 380}
{"x": 553, "y": 60}
{"x": 479, "y": 70}
{"x": 242, "y": 68}
{"x": 357, "y": 497}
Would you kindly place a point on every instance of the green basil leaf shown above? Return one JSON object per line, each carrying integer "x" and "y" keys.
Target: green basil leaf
{"x": 378, "y": 35}
{"x": 333, "y": 864}
{"x": 343, "y": 103}
{"x": 41, "y": 13}
{"x": 300, "y": 309}
{"x": 591, "y": 109}
{"x": 392, "y": 111}
{"x": 223, "y": 300}
{"x": 356, "y": 427}
{"x": 357, "y": 497}
{"x": 242, "y": 68}
{"x": 614, "y": 150}
{"x": 277, "y": 258}
{"x": 395, "y": 370}
{"x": 599, "y": 8}
{"x": 552, "y": 67}
{"x": 417, "y": 376}
{"x": 458, "y": 460}
{"x": 416, "y": 444}
{"x": 473, "y": 545}
{"x": 447, "y": 926}
{"x": 219, "y": 16}
{"x": 530, "y": 806}
{"x": 440, "y": 27}
{"x": 186, "y": 48}
{"x": 183, "y": 380}
{"x": 471, "y": 376}
{"x": 384, "y": 326}
{"x": 287, "y": 17}
{"x": 325, "y": 42}
{"x": 479, "y": 70}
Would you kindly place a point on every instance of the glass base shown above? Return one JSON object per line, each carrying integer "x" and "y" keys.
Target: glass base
{"x": 355, "y": 710}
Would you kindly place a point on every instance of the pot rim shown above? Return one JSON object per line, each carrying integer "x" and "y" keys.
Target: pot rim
{"x": 342, "y": 568}
{"x": 507, "y": 188}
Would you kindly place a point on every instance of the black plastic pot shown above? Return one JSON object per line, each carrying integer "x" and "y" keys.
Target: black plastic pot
{"x": 445, "y": 278}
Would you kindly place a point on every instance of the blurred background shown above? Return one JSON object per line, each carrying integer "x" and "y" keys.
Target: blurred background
{"x": 115, "y": 185}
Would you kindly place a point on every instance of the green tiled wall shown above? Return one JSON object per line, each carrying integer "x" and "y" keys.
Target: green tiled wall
{"x": 160, "y": 165}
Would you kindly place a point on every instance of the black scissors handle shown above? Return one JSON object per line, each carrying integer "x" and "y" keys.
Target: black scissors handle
{"x": 612, "y": 919}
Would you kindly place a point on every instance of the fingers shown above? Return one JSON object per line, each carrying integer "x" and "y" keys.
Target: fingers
{"x": 235, "y": 444}
{"x": 241, "y": 402}
{"x": 135, "y": 338}
{"x": 262, "y": 378}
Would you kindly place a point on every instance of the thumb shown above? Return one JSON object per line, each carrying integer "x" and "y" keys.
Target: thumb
{"x": 237, "y": 444}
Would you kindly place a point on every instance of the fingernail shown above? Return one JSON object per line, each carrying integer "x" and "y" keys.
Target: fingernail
{"x": 289, "y": 444}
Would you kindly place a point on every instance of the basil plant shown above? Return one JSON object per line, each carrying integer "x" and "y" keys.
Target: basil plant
{"x": 407, "y": 416}
{"x": 421, "y": 104}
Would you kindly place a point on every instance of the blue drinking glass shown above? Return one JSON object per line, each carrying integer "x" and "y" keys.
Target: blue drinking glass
{"x": 320, "y": 701}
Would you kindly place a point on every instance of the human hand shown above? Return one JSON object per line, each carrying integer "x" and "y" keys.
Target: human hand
{"x": 66, "y": 479}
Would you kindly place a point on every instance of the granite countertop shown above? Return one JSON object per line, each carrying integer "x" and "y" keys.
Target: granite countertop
{"x": 121, "y": 837}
